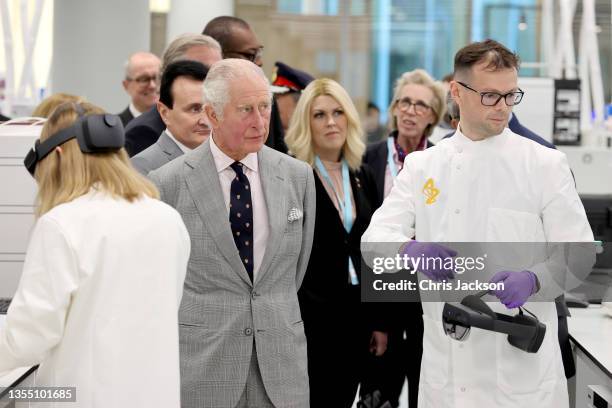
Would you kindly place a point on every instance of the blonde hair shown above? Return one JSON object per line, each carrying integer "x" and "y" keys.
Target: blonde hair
{"x": 299, "y": 134}
{"x": 48, "y": 105}
{"x": 63, "y": 177}
{"x": 419, "y": 77}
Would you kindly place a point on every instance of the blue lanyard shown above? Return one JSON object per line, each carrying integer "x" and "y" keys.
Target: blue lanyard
{"x": 346, "y": 207}
{"x": 390, "y": 161}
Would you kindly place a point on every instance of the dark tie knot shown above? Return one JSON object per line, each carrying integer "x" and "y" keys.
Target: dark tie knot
{"x": 237, "y": 167}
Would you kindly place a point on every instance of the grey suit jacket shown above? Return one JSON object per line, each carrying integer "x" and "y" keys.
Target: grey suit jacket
{"x": 222, "y": 314}
{"x": 156, "y": 155}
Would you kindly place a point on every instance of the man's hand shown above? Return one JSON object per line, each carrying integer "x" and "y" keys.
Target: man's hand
{"x": 433, "y": 270}
{"x": 378, "y": 343}
{"x": 518, "y": 286}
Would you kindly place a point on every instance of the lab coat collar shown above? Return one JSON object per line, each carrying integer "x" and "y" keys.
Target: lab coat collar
{"x": 496, "y": 141}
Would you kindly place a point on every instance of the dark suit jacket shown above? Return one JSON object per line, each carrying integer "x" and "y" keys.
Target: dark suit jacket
{"x": 143, "y": 131}
{"x": 519, "y": 129}
{"x": 336, "y": 323}
{"x": 276, "y": 135}
{"x": 376, "y": 157}
{"x": 126, "y": 116}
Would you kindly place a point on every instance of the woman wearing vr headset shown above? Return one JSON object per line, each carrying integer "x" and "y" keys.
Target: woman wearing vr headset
{"x": 103, "y": 276}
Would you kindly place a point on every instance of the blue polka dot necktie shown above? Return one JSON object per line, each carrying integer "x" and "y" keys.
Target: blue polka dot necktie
{"x": 241, "y": 216}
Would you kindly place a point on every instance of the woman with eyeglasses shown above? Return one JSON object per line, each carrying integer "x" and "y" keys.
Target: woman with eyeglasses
{"x": 97, "y": 303}
{"x": 325, "y": 132}
{"x": 417, "y": 107}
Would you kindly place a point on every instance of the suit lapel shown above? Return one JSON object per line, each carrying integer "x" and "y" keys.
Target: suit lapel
{"x": 168, "y": 146}
{"x": 273, "y": 184}
{"x": 203, "y": 183}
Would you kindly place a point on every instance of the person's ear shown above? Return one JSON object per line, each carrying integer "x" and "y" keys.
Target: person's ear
{"x": 59, "y": 150}
{"x": 125, "y": 83}
{"x": 163, "y": 112}
{"x": 213, "y": 119}
{"x": 454, "y": 91}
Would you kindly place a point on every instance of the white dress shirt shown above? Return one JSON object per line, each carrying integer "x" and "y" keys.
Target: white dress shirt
{"x": 261, "y": 229}
{"x": 135, "y": 112}
{"x": 181, "y": 146}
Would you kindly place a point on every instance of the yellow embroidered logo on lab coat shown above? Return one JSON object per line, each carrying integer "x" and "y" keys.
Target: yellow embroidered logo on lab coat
{"x": 430, "y": 191}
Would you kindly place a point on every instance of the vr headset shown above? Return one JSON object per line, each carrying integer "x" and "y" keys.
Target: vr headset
{"x": 524, "y": 332}
{"x": 95, "y": 134}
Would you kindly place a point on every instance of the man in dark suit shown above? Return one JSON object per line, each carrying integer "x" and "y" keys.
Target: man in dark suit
{"x": 141, "y": 84}
{"x": 238, "y": 40}
{"x": 180, "y": 107}
{"x": 143, "y": 131}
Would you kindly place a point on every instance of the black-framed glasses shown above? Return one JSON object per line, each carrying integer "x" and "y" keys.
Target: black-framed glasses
{"x": 251, "y": 56}
{"x": 145, "y": 79}
{"x": 420, "y": 107}
{"x": 492, "y": 98}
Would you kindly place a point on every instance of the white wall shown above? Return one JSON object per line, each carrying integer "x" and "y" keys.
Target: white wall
{"x": 91, "y": 42}
{"x": 190, "y": 16}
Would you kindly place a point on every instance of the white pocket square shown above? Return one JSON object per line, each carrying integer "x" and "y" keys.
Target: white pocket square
{"x": 295, "y": 214}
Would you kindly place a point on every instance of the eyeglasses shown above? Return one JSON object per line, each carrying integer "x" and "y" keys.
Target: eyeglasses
{"x": 492, "y": 98}
{"x": 145, "y": 79}
{"x": 251, "y": 56}
{"x": 420, "y": 107}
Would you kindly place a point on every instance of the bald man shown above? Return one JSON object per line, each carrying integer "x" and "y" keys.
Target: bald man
{"x": 141, "y": 83}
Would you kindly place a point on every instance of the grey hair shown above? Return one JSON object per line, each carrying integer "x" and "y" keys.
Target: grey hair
{"x": 128, "y": 65}
{"x": 452, "y": 109}
{"x": 419, "y": 77}
{"x": 221, "y": 75}
{"x": 177, "y": 49}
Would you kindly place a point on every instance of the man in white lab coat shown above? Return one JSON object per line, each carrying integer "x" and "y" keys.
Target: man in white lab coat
{"x": 486, "y": 184}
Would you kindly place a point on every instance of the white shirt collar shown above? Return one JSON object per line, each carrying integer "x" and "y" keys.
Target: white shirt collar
{"x": 223, "y": 161}
{"x": 135, "y": 112}
{"x": 181, "y": 146}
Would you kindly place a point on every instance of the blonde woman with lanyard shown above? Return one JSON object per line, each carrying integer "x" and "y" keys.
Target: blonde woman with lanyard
{"x": 340, "y": 330}
{"x": 97, "y": 304}
{"x": 417, "y": 107}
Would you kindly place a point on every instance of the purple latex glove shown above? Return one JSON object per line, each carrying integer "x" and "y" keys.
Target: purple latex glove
{"x": 518, "y": 286}
{"x": 416, "y": 249}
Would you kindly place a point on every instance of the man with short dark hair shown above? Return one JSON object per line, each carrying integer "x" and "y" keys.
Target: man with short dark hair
{"x": 180, "y": 107}
{"x": 143, "y": 131}
{"x": 486, "y": 184}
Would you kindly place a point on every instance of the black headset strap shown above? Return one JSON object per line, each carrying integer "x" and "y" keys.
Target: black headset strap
{"x": 525, "y": 309}
{"x": 44, "y": 148}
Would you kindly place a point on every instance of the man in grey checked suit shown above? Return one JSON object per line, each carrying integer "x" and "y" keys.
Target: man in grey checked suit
{"x": 242, "y": 339}
{"x": 180, "y": 107}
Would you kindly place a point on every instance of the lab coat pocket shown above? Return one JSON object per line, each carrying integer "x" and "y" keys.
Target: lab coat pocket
{"x": 505, "y": 225}
{"x": 435, "y": 363}
{"x": 520, "y": 373}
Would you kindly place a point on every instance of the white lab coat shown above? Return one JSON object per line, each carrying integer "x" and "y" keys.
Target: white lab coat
{"x": 97, "y": 304}
{"x": 507, "y": 189}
